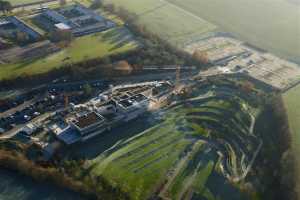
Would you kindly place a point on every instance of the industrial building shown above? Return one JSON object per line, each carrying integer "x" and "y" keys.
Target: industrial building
{"x": 109, "y": 109}
{"x": 76, "y": 18}
{"x": 11, "y": 26}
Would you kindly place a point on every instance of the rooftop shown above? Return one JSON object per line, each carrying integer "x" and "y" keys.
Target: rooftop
{"x": 88, "y": 120}
{"x": 62, "y": 26}
{"x": 138, "y": 98}
{"x": 126, "y": 103}
{"x": 69, "y": 136}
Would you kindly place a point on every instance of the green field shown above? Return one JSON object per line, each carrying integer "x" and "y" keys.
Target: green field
{"x": 166, "y": 20}
{"x": 272, "y": 25}
{"x": 87, "y": 47}
{"x": 292, "y": 105}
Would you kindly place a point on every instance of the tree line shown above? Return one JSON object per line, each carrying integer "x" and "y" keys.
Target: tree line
{"x": 274, "y": 174}
{"x": 13, "y": 156}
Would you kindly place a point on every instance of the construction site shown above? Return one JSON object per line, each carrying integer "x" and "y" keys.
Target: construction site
{"x": 231, "y": 56}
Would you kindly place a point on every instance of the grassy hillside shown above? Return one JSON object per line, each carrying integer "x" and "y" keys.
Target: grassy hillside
{"x": 166, "y": 20}
{"x": 177, "y": 157}
{"x": 91, "y": 46}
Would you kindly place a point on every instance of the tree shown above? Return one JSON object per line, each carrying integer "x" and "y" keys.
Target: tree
{"x": 22, "y": 37}
{"x": 65, "y": 36}
{"x": 110, "y": 7}
{"x": 5, "y": 6}
{"x": 96, "y": 4}
{"x": 87, "y": 89}
{"x": 123, "y": 67}
{"x": 247, "y": 86}
{"x": 200, "y": 56}
{"x": 62, "y": 2}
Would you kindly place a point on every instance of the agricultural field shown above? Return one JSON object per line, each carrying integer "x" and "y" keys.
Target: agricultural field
{"x": 168, "y": 21}
{"x": 206, "y": 139}
{"x": 277, "y": 32}
{"x": 96, "y": 45}
{"x": 187, "y": 20}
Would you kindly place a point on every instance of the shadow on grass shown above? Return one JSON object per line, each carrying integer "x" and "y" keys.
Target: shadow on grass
{"x": 92, "y": 148}
{"x": 118, "y": 37}
{"x": 219, "y": 186}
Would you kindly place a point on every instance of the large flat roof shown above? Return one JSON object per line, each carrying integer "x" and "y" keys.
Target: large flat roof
{"x": 88, "y": 120}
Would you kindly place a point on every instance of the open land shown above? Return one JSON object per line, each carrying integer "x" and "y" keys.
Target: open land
{"x": 278, "y": 31}
{"x": 87, "y": 47}
{"x": 179, "y": 26}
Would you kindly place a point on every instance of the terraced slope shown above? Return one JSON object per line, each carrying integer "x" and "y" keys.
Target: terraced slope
{"x": 208, "y": 134}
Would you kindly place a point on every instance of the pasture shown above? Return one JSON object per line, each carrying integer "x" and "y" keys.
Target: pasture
{"x": 96, "y": 45}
